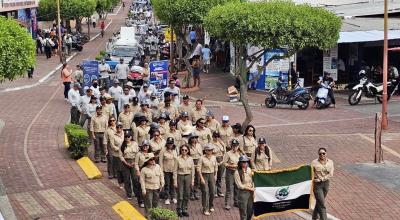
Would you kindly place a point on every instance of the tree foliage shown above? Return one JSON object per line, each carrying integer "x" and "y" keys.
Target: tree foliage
{"x": 103, "y": 6}
{"x": 70, "y": 9}
{"x": 17, "y": 50}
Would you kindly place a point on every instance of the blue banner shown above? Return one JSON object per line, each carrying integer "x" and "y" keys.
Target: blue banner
{"x": 159, "y": 73}
{"x": 277, "y": 70}
{"x": 90, "y": 72}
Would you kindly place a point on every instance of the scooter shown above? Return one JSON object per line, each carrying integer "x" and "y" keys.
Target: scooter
{"x": 322, "y": 100}
{"x": 279, "y": 95}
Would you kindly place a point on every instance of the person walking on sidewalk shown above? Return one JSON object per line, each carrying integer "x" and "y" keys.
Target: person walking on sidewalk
{"x": 66, "y": 77}
{"x": 102, "y": 27}
{"x": 206, "y": 52}
{"x": 129, "y": 149}
{"x": 152, "y": 182}
{"x": 208, "y": 168}
{"x": 98, "y": 125}
{"x": 323, "y": 172}
{"x": 48, "y": 44}
{"x": 244, "y": 183}
{"x": 231, "y": 159}
{"x": 196, "y": 72}
{"x": 167, "y": 159}
{"x": 74, "y": 100}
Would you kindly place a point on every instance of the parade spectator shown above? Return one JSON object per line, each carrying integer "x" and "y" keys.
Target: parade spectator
{"x": 206, "y": 52}
{"x": 196, "y": 71}
{"x": 48, "y": 44}
{"x": 66, "y": 77}
{"x": 122, "y": 70}
{"x": 74, "y": 100}
{"x": 104, "y": 70}
{"x": 116, "y": 92}
{"x": 88, "y": 110}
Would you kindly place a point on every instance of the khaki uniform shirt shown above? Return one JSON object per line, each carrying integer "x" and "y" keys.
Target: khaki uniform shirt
{"x": 176, "y": 135}
{"x": 167, "y": 160}
{"x": 183, "y": 166}
{"x": 182, "y": 125}
{"x": 133, "y": 128}
{"x": 108, "y": 134}
{"x": 247, "y": 179}
{"x": 262, "y": 161}
{"x": 130, "y": 151}
{"x": 163, "y": 128}
{"x": 248, "y": 145}
{"x": 213, "y": 125}
{"x": 185, "y": 108}
{"x": 322, "y": 172}
{"x": 106, "y": 111}
{"x": 196, "y": 151}
{"x": 171, "y": 110}
{"x": 116, "y": 141}
{"x": 134, "y": 108}
{"x": 139, "y": 160}
{"x": 208, "y": 165}
{"x": 157, "y": 145}
{"x": 197, "y": 114}
{"x": 141, "y": 134}
{"x": 238, "y": 137}
{"x": 148, "y": 114}
{"x": 99, "y": 123}
{"x": 126, "y": 119}
{"x": 226, "y": 133}
{"x": 219, "y": 148}
{"x": 205, "y": 136}
{"x": 231, "y": 158}
{"x": 151, "y": 177}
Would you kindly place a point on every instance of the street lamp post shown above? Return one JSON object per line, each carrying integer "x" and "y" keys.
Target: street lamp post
{"x": 385, "y": 66}
{"x": 59, "y": 32}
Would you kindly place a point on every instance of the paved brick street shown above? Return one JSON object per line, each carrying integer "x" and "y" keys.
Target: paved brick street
{"x": 41, "y": 181}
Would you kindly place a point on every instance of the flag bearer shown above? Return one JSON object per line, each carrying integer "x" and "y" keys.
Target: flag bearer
{"x": 244, "y": 182}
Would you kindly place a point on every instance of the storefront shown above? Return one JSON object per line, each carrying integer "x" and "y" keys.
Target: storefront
{"x": 24, "y": 11}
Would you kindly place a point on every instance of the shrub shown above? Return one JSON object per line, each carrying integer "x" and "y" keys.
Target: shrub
{"x": 78, "y": 140}
{"x": 99, "y": 57}
{"x": 163, "y": 214}
{"x": 103, "y": 53}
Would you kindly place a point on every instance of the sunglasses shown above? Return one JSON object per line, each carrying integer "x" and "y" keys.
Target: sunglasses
{"x": 119, "y": 127}
{"x": 184, "y": 150}
{"x": 251, "y": 130}
{"x": 322, "y": 153}
{"x": 113, "y": 120}
{"x": 156, "y": 135}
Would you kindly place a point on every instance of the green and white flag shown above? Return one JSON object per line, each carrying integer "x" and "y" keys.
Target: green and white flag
{"x": 282, "y": 190}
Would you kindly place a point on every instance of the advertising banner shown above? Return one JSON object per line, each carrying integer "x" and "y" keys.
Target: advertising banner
{"x": 159, "y": 73}
{"x": 90, "y": 72}
{"x": 10, "y": 5}
{"x": 330, "y": 61}
{"x": 276, "y": 69}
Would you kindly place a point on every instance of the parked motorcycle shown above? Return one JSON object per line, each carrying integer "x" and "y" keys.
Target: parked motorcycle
{"x": 372, "y": 90}
{"x": 279, "y": 95}
{"x": 322, "y": 100}
{"x": 77, "y": 43}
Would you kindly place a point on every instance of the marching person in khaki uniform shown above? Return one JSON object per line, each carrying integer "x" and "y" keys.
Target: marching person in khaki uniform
{"x": 231, "y": 159}
{"x": 186, "y": 106}
{"x": 110, "y": 105}
{"x": 244, "y": 182}
{"x": 184, "y": 172}
{"x": 323, "y": 172}
{"x": 174, "y": 133}
{"x": 126, "y": 118}
{"x": 98, "y": 125}
{"x": 211, "y": 123}
{"x": 202, "y": 132}
{"x": 167, "y": 162}
{"x": 262, "y": 159}
{"x": 139, "y": 162}
{"x": 141, "y": 132}
{"x": 225, "y": 130}
{"x": 112, "y": 166}
{"x": 248, "y": 144}
{"x": 169, "y": 109}
{"x": 129, "y": 149}
{"x": 163, "y": 125}
{"x": 237, "y": 133}
{"x": 219, "y": 152}
{"x": 146, "y": 111}
{"x": 208, "y": 168}
{"x": 196, "y": 151}
{"x": 184, "y": 122}
{"x": 151, "y": 181}
{"x": 198, "y": 111}
{"x": 135, "y": 107}
{"x": 157, "y": 143}
{"x": 106, "y": 110}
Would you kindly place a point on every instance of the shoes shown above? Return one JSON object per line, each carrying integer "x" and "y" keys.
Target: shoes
{"x": 129, "y": 197}
{"x": 220, "y": 194}
{"x": 141, "y": 205}
{"x": 121, "y": 186}
{"x": 216, "y": 196}
{"x": 96, "y": 160}
{"x": 110, "y": 177}
{"x": 212, "y": 209}
{"x": 207, "y": 213}
{"x": 167, "y": 202}
{"x": 104, "y": 161}
{"x": 227, "y": 207}
{"x": 192, "y": 197}
{"x": 185, "y": 213}
{"x": 235, "y": 205}
{"x": 174, "y": 201}
{"x": 179, "y": 212}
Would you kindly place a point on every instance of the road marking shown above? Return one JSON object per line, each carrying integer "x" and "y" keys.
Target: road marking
{"x": 31, "y": 206}
{"x": 105, "y": 192}
{"x": 117, "y": 11}
{"x": 55, "y": 200}
{"x": 269, "y": 116}
{"x": 80, "y": 195}
{"x": 386, "y": 148}
{"x": 313, "y": 122}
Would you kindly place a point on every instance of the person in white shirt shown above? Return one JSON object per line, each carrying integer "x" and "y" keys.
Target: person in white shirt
{"x": 95, "y": 88}
{"x": 74, "y": 99}
{"x": 104, "y": 70}
{"x": 144, "y": 93}
{"x": 109, "y": 46}
{"x": 90, "y": 111}
{"x": 132, "y": 91}
{"x": 115, "y": 92}
{"x": 84, "y": 101}
{"x": 122, "y": 70}
{"x": 172, "y": 89}
{"x": 124, "y": 99}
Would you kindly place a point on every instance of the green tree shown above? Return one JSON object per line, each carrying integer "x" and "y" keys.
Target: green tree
{"x": 103, "y": 6}
{"x": 270, "y": 25}
{"x": 17, "y": 50}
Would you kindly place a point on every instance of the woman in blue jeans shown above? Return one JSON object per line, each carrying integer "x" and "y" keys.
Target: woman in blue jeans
{"x": 196, "y": 70}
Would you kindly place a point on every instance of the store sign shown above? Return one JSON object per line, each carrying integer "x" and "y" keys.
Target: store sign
{"x": 330, "y": 62}
{"x": 159, "y": 73}
{"x": 9, "y": 5}
{"x": 276, "y": 69}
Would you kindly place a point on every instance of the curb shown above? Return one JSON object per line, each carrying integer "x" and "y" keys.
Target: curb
{"x": 127, "y": 212}
{"x": 66, "y": 141}
{"x": 88, "y": 167}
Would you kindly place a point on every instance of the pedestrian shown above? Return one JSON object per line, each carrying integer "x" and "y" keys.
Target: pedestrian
{"x": 202, "y": 132}
{"x": 135, "y": 107}
{"x": 55, "y": 45}
{"x": 196, "y": 71}
{"x": 102, "y": 27}
{"x": 48, "y": 44}
{"x": 142, "y": 131}
{"x": 248, "y": 143}
{"x": 323, "y": 171}
{"x": 109, "y": 46}
{"x": 74, "y": 100}
{"x": 196, "y": 151}
{"x": 192, "y": 36}
{"x": 225, "y": 130}
{"x": 144, "y": 94}
{"x": 140, "y": 159}
{"x": 113, "y": 138}
{"x": 66, "y": 77}
{"x": 151, "y": 181}
{"x": 105, "y": 109}
{"x": 211, "y": 123}
{"x": 199, "y": 111}
{"x": 123, "y": 99}
{"x": 116, "y": 92}
{"x": 30, "y": 72}
{"x": 208, "y": 168}
{"x": 262, "y": 159}
{"x": 184, "y": 123}
{"x": 132, "y": 91}
{"x": 167, "y": 159}
{"x": 68, "y": 42}
{"x": 219, "y": 152}
{"x": 88, "y": 110}
{"x": 121, "y": 71}
{"x": 129, "y": 150}
{"x": 244, "y": 182}
{"x": 98, "y": 125}
{"x": 172, "y": 89}
{"x": 231, "y": 159}
{"x": 78, "y": 74}
{"x": 206, "y": 52}
{"x": 184, "y": 173}
{"x": 157, "y": 143}
{"x": 104, "y": 70}
{"x": 93, "y": 20}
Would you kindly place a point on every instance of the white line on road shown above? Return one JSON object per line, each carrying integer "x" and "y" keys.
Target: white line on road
{"x": 117, "y": 11}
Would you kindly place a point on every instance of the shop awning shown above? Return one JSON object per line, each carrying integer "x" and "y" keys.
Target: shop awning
{"x": 366, "y": 36}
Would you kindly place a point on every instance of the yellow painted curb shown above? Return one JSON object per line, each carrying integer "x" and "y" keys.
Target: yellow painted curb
{"x": 66, "y": 142}
{"x": 91, "y": 171}
{"x": 127, "y": 212}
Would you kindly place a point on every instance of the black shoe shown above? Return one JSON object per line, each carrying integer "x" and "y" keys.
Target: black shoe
{"x": 192, "y": 197}
{"x": 235, "y": 205}
{"x": 185, "y": 214}
{"x": 179, "y": 213}
{"x": 96, "y": 160}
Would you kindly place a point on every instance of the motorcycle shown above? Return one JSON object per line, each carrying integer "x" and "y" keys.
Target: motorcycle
{"x": 322, "y": 100}
{"x": 371, "y": 90}
{"x": 279, "y": 95}
{"x": 135, "y": 76}
{"x": 77, "y": 43}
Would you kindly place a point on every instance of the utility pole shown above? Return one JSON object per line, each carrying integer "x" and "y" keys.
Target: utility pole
{"x": 59, "y": 32}
{"x": 385, "y": 67}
